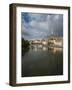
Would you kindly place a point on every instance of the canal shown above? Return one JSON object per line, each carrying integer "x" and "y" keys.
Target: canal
{"x": 42, "y": 61}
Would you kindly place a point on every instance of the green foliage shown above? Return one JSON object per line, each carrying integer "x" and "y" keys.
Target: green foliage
{"x": 25, "y": 46}
{"x": 25, "y": 43}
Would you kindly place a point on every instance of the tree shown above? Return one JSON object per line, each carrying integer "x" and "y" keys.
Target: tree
{"x": 25, "y": 43}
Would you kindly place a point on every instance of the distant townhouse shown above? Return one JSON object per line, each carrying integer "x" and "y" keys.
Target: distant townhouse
{"x": 55, "y": 41}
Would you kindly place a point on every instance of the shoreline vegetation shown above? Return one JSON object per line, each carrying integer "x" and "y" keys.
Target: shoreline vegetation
{"x": 25, "y": 46}
{"x": 51, "y": 42}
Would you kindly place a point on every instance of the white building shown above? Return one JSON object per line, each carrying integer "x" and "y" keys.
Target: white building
{"x": 56, "y": 41}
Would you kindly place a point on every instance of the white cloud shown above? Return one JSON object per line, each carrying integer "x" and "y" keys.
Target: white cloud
{"x": 39, "y": 22}
{"x": 40, "y": 25}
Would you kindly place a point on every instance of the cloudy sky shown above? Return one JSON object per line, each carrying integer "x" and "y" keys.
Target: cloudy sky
{"x": 41, "y": 26}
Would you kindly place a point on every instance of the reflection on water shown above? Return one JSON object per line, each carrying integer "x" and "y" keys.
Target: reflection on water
{"x": 41, "y": 60}
{"x": 45, "y": 48}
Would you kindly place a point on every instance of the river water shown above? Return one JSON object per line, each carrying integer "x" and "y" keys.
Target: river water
{"x": 42, "y": 61}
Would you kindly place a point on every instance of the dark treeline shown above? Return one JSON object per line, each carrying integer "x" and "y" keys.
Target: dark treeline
{"x": 25, "y": 46}
{"x": 25, "y": 43}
